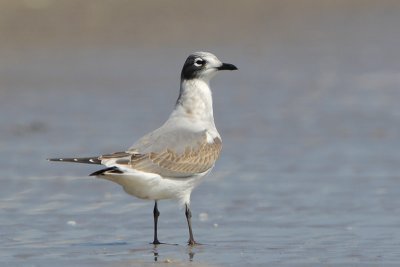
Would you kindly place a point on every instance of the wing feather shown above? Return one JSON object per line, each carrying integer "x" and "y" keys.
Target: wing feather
{"x": 170, "y": 153}
{"x": 169, "y": 163}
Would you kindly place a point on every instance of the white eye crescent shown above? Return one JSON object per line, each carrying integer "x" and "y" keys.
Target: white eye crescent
{"x": 198, "y": 62}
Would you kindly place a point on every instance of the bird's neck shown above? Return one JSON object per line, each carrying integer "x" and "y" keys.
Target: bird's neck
{"x": 195, "y": 100}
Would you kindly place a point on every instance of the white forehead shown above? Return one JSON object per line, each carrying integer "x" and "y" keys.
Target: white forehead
{"x": 207, "y": 56}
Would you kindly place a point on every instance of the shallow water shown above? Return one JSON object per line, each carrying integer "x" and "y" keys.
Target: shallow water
{"x": 309, "y": 172}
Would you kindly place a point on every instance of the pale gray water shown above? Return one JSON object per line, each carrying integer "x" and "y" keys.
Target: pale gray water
{"x": 309, "y": 174}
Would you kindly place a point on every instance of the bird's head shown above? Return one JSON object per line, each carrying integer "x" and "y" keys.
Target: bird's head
{"x": 203, "y": 65}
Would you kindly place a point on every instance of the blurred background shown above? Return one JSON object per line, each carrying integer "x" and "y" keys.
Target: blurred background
{"x": 310, "y": 124}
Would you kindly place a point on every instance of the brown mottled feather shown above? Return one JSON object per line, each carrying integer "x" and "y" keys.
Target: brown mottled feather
{"x": 193, "y": 160}
{"x": 169, "y": 163}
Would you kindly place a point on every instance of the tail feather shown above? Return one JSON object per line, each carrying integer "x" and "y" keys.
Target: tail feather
{"x": 90, "y": 160}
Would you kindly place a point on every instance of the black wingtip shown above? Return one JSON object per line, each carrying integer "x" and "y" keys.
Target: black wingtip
{"x": 102, "y": 171}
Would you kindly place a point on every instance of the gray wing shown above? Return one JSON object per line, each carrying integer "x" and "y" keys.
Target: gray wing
{"x": 171, "y": 153}
{"x": 168, "y": 137}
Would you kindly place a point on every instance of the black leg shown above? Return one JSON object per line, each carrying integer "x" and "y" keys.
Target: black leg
{"x": 156, "y": 213}
{"x": 188, "y": 214}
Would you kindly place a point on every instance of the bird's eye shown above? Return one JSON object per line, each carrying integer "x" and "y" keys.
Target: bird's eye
{"x": 198, "y": 62}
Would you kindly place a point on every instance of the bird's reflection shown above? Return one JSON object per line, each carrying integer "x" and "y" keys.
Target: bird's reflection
{"x": 156, "y": 254}
{"x": 191, "y": 253}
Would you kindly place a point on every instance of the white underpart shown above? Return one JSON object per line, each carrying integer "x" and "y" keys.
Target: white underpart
{"x": 152, "y": 186}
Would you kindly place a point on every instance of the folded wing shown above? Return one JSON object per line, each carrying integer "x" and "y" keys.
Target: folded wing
{"x": 175, "y": 154}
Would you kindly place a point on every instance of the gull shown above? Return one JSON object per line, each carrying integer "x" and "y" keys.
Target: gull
{"x": 169, "y": 162}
